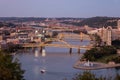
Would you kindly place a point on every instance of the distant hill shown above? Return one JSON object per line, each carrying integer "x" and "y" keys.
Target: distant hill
{"x": 21, "y": 19}
{"x": 97, "y": 22}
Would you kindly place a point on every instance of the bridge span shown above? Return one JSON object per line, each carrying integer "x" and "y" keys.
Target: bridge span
{"x": 56, "y": 45}
{"x": 80, "y": 36}
{"x": 63, "y": 45}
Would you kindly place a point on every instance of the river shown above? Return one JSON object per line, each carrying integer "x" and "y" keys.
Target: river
{"x": 57, "y": 62}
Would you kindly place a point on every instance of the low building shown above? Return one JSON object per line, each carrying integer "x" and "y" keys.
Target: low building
{"x": 1, "y": 38}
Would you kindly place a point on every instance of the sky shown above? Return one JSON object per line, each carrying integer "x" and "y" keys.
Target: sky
{"x": 59, "y": 8}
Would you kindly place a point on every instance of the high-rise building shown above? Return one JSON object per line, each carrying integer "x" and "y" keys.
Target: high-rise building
{"x": 107, "y": 35}
{"x": 103, "y": 35}
{"x": 118, "y": 25}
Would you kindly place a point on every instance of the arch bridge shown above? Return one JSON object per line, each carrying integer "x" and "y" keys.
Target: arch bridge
{"x": 62, "y": 45}
{"x": 81, "y": 36}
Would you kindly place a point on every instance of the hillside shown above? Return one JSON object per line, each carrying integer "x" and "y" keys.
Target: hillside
{"x": 97, "y": 22}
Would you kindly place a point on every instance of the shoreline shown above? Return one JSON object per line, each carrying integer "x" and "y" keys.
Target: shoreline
{"x": 99, "y": 65}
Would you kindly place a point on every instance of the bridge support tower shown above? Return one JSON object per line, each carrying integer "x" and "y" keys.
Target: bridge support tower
{"x": 70, "y": 50}
{"x": 41, "y": 48}
{"x": 78, "y": 50}
{"x": 81, "y": 36}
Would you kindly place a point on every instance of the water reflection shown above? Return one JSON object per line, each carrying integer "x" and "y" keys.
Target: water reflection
{"x": 36, "y": 70}
{"x": 57, "y": 62}
{"x": 36, "y": 53}
{"x": 43, "y": 53}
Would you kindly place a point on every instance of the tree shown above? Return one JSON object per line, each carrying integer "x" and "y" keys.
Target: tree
{"x": 99, "y": 52}
{"x": 88, "y": 76}
{"x": 108, "y": 50}
{"x": 11, "y": 47}
{"x": 117, "y": 77}
{"x": 97, "y": 40}
{"x": 116, "y": 43}
{"x": 9, "y": 69}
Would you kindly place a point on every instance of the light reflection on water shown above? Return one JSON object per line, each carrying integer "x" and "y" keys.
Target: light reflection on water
{"x": 57, "y": 62}
{"x": 57, "y": 66}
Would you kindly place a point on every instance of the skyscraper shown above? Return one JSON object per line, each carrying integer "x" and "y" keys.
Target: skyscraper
{"x": 107, "y": 35}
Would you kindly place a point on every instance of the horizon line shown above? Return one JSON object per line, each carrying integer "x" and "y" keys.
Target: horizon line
{"x": 52, "y": 17}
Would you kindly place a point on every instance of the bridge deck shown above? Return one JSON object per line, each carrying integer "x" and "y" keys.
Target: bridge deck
{"x": 57, "y": 45}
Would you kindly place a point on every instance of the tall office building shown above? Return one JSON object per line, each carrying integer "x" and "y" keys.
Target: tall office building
{"x": 103, "y": 35}
{"x": 107, "y": 35}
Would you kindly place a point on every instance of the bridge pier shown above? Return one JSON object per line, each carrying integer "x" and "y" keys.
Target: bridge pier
{"x": 25, "y": 49}
{"x": 78, "y": 51}
{"x": 70, "y": 50}
{"x": 41, "y": 48}
{"x": 81, "y": 40}
{"x": 32, "y": 49}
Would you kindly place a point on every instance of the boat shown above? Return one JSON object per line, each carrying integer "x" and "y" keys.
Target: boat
{"x": 42, "y": 71}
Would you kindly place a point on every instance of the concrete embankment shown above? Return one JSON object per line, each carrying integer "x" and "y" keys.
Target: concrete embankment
{"x": 95, "y": 65}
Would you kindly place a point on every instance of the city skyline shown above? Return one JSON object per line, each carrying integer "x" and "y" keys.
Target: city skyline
{"x": 59, "y": 8}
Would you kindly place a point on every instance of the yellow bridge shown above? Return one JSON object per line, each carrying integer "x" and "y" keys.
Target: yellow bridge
{"x": 62, "y": 45}
{"x": 80, "y": 36}
{"x": 55, "y": 45}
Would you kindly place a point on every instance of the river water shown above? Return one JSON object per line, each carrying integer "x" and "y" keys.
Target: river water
{"x": 57, "y": 62}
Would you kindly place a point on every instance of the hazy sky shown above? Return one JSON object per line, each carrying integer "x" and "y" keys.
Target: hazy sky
{"x": 59, "y": 8}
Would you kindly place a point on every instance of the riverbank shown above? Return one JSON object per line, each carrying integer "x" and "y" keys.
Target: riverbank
{"x": 96, "y": 65}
